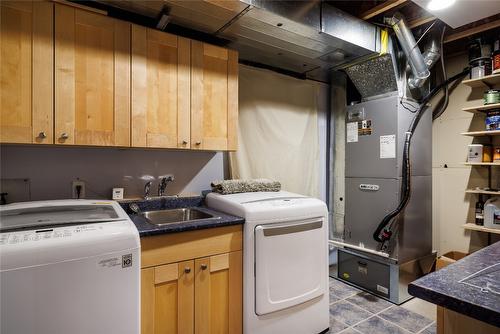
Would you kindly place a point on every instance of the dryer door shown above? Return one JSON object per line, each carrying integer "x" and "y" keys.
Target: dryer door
{"x": 290, "y": 264}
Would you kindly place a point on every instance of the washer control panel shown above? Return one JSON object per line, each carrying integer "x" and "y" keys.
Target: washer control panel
{"x": 46, "y": 233}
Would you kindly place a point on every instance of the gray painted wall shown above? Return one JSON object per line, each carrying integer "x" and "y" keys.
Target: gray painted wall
{"x": 42, "y": 173}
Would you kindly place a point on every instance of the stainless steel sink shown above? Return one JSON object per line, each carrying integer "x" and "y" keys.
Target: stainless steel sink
{"x": 174, "y": 216}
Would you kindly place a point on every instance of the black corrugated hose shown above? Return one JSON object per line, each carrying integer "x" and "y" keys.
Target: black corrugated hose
{"x": 382, "y": 233}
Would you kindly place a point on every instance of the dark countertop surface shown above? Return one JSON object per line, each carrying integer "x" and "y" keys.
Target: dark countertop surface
{"x": 457, "y": 286}
{"x": 146, "y": 229}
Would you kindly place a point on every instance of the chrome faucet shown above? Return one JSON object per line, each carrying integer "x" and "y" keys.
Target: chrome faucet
{"x": 147, "y": 188}
{"x": 163, "y": 184}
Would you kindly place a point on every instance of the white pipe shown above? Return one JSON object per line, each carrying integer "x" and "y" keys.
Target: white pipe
{"x": 343, "y": 244}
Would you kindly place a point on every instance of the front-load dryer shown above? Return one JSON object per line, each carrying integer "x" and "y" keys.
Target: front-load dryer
{"x": 285, "y": 261}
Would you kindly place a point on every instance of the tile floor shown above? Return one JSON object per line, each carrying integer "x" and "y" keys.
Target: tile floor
{"x": 353, "y": 311}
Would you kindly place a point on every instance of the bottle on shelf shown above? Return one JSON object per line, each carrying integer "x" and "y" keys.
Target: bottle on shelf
{"x": 480, "y": 211}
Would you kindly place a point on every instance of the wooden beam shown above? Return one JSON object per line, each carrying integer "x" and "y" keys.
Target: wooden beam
{"x": 79, "y": 6}
{"x": 420, "y": 21}
{"x": 382, "y": 8}
{"x": 472, "y": 31}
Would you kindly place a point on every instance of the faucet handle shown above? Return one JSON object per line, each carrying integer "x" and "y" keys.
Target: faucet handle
{"x": 147, "y": 188}
{"x": 163, "y": 184}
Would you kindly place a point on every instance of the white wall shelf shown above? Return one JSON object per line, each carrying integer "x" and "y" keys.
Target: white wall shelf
{"x": 482, "y": 192}
{"x": 482, "y": 133}
{"x": 482, "y": 108}
{"x": 474, "y": 227}
{"x": 482, "y": 163}
{"x": 485, "y": 82}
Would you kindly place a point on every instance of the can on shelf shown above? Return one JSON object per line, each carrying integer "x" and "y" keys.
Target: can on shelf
{"x": 495, "y": 57}
{"x": 496, "y": 154}
{"x": 480, "y": 67}
{"x": 492, "y": 96}
{"x": 487, "y": 153}
{"x": 492, "y": 120}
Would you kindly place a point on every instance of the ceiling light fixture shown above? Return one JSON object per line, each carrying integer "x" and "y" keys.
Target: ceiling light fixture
{"x": 439, "y": 4}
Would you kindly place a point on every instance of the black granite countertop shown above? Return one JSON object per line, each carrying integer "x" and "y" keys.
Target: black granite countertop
{"x": 458, "y": 286}
{"x": 146, "y": 229}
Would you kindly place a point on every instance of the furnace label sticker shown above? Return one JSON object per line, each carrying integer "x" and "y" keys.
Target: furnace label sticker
{"x": 352, "y": 132}
{"x": 365, "y": 127}
{"x": 388, "y": 147}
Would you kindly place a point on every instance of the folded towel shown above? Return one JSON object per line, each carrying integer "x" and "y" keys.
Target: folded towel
{"x": 244, "y": 186}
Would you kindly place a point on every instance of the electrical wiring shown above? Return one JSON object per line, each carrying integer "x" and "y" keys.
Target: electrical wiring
{"x": 407, "y": 106}
{"x": 425, "y": 32}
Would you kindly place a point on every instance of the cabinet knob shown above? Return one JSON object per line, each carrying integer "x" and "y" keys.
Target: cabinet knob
{"x": 204, "y": 266}
{"x": 42, "y": 135}
{"x": 64, "y": 135}
{"x": 187, "y": 270}
{"x": 198, "y": 143}
{"x": 184, "y": 142}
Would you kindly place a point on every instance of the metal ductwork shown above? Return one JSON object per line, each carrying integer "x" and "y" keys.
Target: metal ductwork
{"x": 431, "y": 55}
{"x": 305, "y": 37}
{"x": 419, "y": 68}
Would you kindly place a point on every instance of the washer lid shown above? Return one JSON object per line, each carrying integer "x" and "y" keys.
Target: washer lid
{"x": 32, "y": 215}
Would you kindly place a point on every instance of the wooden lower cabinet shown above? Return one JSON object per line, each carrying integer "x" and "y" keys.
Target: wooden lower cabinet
{"x": 218, "y": 294}
{"x": 200, "y": 295}
{"x": 451, "y": 322}
{"x": 168, "y": 298}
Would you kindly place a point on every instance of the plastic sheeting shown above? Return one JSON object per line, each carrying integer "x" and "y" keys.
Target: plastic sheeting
{"x": 278, "y": 131}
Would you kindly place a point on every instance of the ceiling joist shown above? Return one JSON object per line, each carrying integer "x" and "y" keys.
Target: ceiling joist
{"x": 382, "y": 8}
{"x": 420, "y": 21}
{"x": 472, "y": 31}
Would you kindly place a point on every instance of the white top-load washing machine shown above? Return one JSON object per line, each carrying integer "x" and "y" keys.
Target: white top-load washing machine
{"x": 68, "y": 266}
{"x": 285, "y": 261}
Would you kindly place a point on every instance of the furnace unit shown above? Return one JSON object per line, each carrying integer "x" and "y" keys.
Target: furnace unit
{"x": 375, "y": 134}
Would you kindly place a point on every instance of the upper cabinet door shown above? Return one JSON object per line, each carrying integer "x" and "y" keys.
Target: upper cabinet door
{"x": 92, "y": 79}
{"x": 214, "y": 97}
{"x": 160, "y": 89}
{"x": 26, "y": 78}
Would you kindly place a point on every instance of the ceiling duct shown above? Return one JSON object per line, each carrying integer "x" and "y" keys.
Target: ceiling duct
{"x": 420, "y": 70}
{"x": 308, "y": 37}
{"x": 305, "y": 37}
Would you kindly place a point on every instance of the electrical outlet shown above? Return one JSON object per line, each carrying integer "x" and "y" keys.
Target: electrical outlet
{"x": 74, "y": 189}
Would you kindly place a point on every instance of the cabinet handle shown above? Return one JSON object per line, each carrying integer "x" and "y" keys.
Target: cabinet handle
{"x": 187, "y": 270}
{"x": 204, "y": 266}
{"x": 198, "y": 143}
{"x": 64, "y": 135}
{"x": 184, "y": 142}
{"x": 42, "y": 135}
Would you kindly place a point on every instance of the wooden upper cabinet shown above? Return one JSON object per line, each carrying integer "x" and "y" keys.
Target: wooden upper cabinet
{"x": 26, "y": 78}
{"x": 160, "y": 89}
{"x": 214, "y": 97}
{"x": 92, "y": 79}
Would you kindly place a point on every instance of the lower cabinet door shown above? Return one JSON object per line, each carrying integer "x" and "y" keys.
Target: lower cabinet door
{"x": 167, "y": 304}
{"x": 218, "y": 294}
